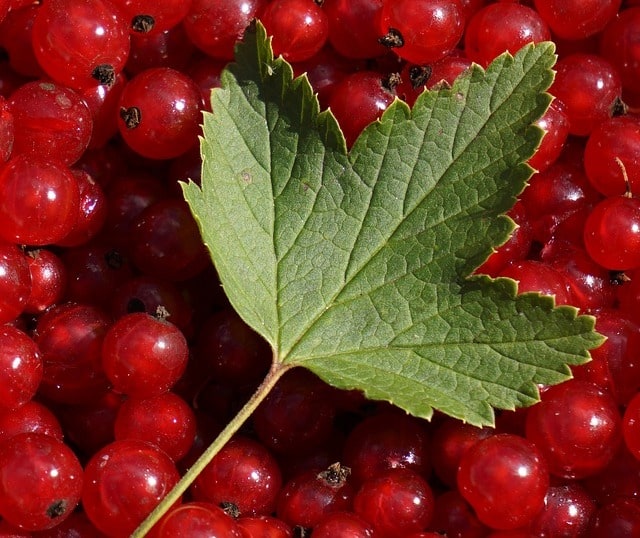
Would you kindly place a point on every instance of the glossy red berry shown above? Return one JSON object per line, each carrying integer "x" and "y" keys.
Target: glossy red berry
{"x": 243, "y": 475}
{"x": 344, "y": 524}
{"x": 143, "y": 356}
{"x": 589, "y": 87}
{"x": 353, "y": 27}
{"x": 38, "y": 201}
{"x": 32, "y": 417}
{"x": 123, "y": 482}
{"x": 423, "y": 31}
{"x": 40, "y": 481}
{"x": 196, "y": 520}
{"x": 500, "y": 27}
{"x": 577, "y": 19}
{"x": 92, "y": 50}
{"x": 299, "y": 28}
{"x": 20, "y": 368}
{"x": 70, "y": 339}
{"x": 612, "y": 233}
{"x": 568, "y": 510}
{"x": 505, "y": 479}
{"x": 160, "y": 113}
{"x": 358, "y": 100}
{"x": 612, "y": 156}
{"x": 619, "y": 45}
{"x": 577, "y": 428}
{"x": 165, "y": 421}
{"x": 395, "y": 502}
{"x": 48, "y": 280}
{"x": 214, "y": 26}
{"x": 15, "y": 282}
{"x": 306, "y": 498}
{"x": 387, "y": 441}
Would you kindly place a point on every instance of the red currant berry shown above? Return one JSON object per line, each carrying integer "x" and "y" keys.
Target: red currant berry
{"x": 196, "y": 520}
{"x": 52, "y": 122}
{"x": 165, "y": 421}
{"x": 244, "y": 475}
{"x": 15, "y": 282}
{"x": 32, "y": 417}
{"x": 70, "y": 339}
{"x": 40, "y": 481}
{"x": 92, "y": 50}
{"x": 577, "y": 19}
{"x": 123, "y": 483}
{"x": 160, "y": 113}
{"x": 612, "y": 233}
{"x": 505, "y": 479}
{"x": 501, "y": 27}
{"x": 299, "y": 28}
{"x": 395, "y": 502}
{"x": 567, "y": 512}
{"x": 309, "y": 496}
{"x": 576, "y": 426}
{"x": 387, "y": 441}
{"x": 143, "y": 356}
{"x": 353, "y": 28}
{"x": 358, "y": 100}
{"x": 48, "y": 280}
{"x": 214, "y": 26}
{"x": 612, "y": 156}
{"x": 619, "y": 45}
{"x": 20, "y": 368}
{"x": 589, "y": 87}
{"x": 38, "y": 201}
{"x": 423, "y": 31}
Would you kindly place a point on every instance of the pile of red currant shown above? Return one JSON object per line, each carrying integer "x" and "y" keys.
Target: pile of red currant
{"x": 120, "y": 359}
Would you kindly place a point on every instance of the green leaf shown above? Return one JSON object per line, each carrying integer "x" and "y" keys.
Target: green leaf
{"x": 359, "y": 265}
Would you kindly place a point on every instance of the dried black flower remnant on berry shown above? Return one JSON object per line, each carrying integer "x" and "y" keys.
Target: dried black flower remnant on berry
{"x": 143, "y": 24}
{"x": 131, "y": 116}
{"x": 393, "y": 39}
{"x": 105, "y": 74}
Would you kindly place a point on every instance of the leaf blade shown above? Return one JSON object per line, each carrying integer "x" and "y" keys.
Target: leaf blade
{"x": 335, "y": 256}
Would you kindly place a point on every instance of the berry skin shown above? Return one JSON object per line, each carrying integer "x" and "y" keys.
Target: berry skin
{"x": 123, "y": 482}
{"x": 577, "y": 19}
{"x": 15, "y": 282}
{"x": 577, "y": 428}
{"x": 502, "y": 27}
{"x": 612, "y": 156}
{"x": 51, "y": 122}
{"x": 311, "y": 495}
{"x": 196, "y": 520}
{"x": 39, "y": 201}
{"x": 353, "y": 30}
{"x": 505, "y": 479}
{"x": 143, "y": 356}
{"x": 421, "y": 31}
{"x": 165, "y": 421}
{"x": 299, "y": 28}
{"x": 160, "y": 113}
{"x": 612, "y": 233}
{"x": 589, "y": 87}
{"x": 395, "y": 502}
{"x": 20, "y": 368}
{"x": 357, "y": 100}
{"x": 387, "y": 441}
{"x": 243, "y": 474}
{"x": 92, "y": 50}
{"x": 40, "y": 481}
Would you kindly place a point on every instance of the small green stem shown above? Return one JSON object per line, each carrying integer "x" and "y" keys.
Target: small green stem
{"x": 275, "y": 373}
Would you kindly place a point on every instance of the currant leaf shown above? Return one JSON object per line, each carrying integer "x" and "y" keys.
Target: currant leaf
{"x": 359, "y": 265}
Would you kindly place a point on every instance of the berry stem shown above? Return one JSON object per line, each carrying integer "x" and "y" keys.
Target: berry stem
{"x": 275, "y": 373}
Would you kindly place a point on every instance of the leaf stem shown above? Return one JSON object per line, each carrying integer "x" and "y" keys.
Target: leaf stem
{"x": 275, "y": 373}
